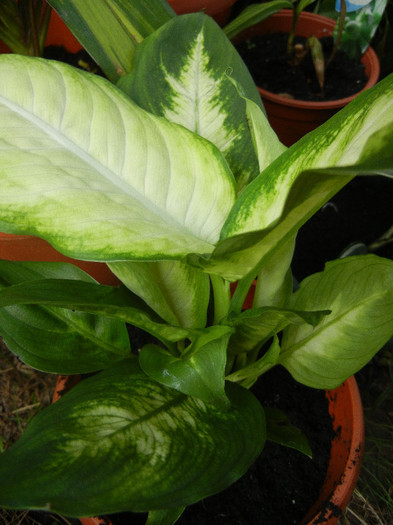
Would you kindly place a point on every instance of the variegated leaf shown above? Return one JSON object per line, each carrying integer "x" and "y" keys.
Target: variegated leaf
{"x": 181, "y": 73}
{"x": 285, "y": 195}
{"x": 339, "y": 143}
{"x": 120, "y": 441}
{"x": 98, "y": 177}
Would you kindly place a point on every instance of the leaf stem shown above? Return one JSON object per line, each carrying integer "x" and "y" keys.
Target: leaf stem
{"x": 341, "y": 20}
{"x": 222, "y": 297}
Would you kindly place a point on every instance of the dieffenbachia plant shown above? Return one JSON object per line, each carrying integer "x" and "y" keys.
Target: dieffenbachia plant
{"x": 174, "y": 178}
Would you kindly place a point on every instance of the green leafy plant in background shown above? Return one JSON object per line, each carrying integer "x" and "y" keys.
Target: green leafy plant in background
{"x": 24, "y": 25}
{"x": 171, "y": 175}
{"x": 360, "y": 22}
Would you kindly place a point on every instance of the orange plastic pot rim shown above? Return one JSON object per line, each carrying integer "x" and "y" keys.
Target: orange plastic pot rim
{"x": 369, "y": 59}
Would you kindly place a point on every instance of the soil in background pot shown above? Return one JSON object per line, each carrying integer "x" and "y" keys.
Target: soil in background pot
{"x": 360, "y": 213}
{"x": 80, "y": 59}
{"x": 267, "y": 60}
{"x": 283, "y": 484}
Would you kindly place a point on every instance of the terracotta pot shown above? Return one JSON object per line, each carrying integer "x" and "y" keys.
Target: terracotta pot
{"x": 292, "y": 119}
{"x": 345, "y": 408}
{"x": 218, "y": 9}
{"x": 28, "y": 248}
{"x": 58, "y": 34}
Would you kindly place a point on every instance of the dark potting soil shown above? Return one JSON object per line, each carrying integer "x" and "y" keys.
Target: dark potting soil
{"x": 81, "y": 59}
{"x": 283, "y": 483}
{"x": 266, "y": 58}
{"x": 358, "y": 214}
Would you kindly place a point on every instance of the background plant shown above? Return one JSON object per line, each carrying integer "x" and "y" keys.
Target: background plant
{"x": 24, "y": 25}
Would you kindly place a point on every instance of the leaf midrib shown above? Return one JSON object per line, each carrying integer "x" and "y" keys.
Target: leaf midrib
{"x": 317, "y": 331}
{"x": 70, "y": 146}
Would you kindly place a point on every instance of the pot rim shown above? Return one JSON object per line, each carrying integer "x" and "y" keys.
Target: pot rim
{"x": 369, "y": 59}
{"x": 345, "y": 455}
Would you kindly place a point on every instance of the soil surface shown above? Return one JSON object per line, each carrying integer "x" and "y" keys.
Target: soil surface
{"x": 266, "y": 58}
{"x": 283, "y": 483}
{"x": 359, "y": 215}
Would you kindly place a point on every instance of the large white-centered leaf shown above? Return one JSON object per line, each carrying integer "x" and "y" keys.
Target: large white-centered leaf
{"x": 181, "y": 72}
{"x": 359, "y": 292}
{"x": 98, "y": 177}
{"x": 110, "y": 29}
{"x": 120, "y": 441}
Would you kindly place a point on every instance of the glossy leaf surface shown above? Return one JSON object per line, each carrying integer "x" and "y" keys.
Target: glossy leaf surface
{"x": 124, "y": 442}
{"x": 177, "y": 292}
{"x": 361, "y": 321}
{"x": 188, "y": 84}
{"x": 199, "y": 372}
{"x": 286, "y": 194}
{"x": 255, "y": 326}
{"x": 281, "y": 431}
{"x": 97, "y": 176}
{"x": 54, "y": 339}
{"x": 110, "y": 29}
{"x": 115, "y": 302}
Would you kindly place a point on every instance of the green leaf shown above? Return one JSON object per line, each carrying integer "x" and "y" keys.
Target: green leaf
{"x": 24, "y": 25}
{"x": 265, "y": 140}
{"x": 110, "y": 29}
{"x": 275, "y": 281}
{"x": 97, "y": 176}
{"x": 250, "y": 373}
{"x": 360, "y": 322}
{"x": 189, "y": 85}
{"x": 164, "y": 517}
{"x": 360, "y": 27}
{"x": 280, "y": 430}
{"x": 54, "y": 339}
{"x": 91, "y": 297}
{"x": 302, "y": 4}
{"x": 253, "y": 14}
{"x": 285, "y": 195}
{"x": 199, "y": 372}
{"x": 176, "y": 291}
{"x": 120, "y": 441}
{"x": 255, "y": 326}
